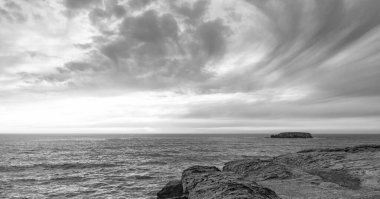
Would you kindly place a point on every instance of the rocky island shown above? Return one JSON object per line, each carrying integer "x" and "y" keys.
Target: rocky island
{"x": 330, "y": 173}
{"x": 292, "y": 135}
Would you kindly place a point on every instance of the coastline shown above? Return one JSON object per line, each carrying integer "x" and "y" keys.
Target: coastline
{"x": 142, "y": 171}
{"x": 349, "y": 172}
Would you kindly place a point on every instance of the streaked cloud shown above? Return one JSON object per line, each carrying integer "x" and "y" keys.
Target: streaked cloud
{"x": 247, "y": 60}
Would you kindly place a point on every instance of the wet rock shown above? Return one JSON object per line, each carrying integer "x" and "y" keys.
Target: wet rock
{"x": 339, "y": 177}
{"x": 259, "y": 169}
{"x": 172, "y": 190}
{"x": 194, "y": 175}
{"x": 210, "y": 183}
{"x": 292, "y": 135}
{"x": 354, "y": 149}
{"x": 350, "y": 172}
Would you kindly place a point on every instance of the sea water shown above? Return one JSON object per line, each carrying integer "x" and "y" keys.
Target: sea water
{"x": 130, "y": 166}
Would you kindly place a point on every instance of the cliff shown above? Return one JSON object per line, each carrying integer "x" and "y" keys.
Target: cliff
{"x": 350, "y": 173}
{"x": 292, "y": 135}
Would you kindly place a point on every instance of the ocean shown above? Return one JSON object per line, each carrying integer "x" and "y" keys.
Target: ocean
{"x": 130, "y": 166}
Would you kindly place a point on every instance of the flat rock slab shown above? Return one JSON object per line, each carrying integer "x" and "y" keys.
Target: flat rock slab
{"x": 332, "y": 173}
{"x": 347, "y": 173}
{"x": 210, "y": 183}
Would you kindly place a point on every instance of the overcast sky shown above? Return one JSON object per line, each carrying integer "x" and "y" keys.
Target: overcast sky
{"x": 155, "y": 66}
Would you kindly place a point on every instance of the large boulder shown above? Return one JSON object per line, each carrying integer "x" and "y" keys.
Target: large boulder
{"x": 172, "y": 190}
{"x": 194, "y": 175}
{"x": 259, "y": 169}
{"x": 292, "y": 135}
{"x": 210, "y": 183}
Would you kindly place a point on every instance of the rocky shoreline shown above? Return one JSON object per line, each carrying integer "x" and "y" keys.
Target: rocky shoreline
{"x": 330, "y": 173}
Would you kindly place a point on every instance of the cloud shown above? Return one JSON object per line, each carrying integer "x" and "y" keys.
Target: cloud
{"x": 323, "y": 44}
{"x": 239, "y": 107}
{"x": 138, "y": 4}
{"x": 154, "y": 49}
{"x": 79, "y": 4}
{"x": 273, "y": 59}
{"x": 184, "y": 42}
{"x": 106, "y": 14}
{"x": 148, "y": 27}
{"x": 5, "y": 15}
{"x": 211, "y": 36}
{"x": 119, "y": 11}
{"x": 12, "y": 13}
{"x": 12, "y": 5}
{"x": 193, "y": 12}
{"x": 350, "y": 81}
{"x": 303, "y": 42}
{"x": 162, "y": 47}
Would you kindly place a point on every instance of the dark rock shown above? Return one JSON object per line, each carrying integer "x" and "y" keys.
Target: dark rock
{"x": 350, "y": 172}
{"x": 340, "y": 177}
{"x": 172, "y": 190}
{"x": 309, "y": 160}
{"x": 292, "y": 135}
{"x": 188, "y": 179}
{"x": 259, "y": 169}
{"x": 200, "y": 169}
{"x": 210, "y": 183}
{"x": 354, "y": 149}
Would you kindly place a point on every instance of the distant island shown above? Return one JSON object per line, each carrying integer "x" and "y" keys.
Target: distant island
{"x": 292, "y": 135}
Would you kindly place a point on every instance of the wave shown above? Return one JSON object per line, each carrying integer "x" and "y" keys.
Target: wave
{"x": 69, "y": 178}
{"x": 56, "y": 166}
{"x": 47, "y": 180}
{"x": 27, "y": 180}
{"x": 153, "y": 163}
{"x": 142, "y": 177}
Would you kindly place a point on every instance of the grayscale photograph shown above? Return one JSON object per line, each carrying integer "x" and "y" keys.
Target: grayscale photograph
{"x": 190, "y": 99}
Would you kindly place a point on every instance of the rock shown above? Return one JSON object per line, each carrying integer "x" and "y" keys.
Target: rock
{"x": 355, "y": 149}
{"x": 258, "y": 169}
{"x": 210, "y": 183}
{"x": 191, "y": 176}
{"x": 339, "y": 177}
{"x": 350, "y": 172}
{"x": 330, "y": 173}
{"x": 292, "y": 135}
{"x": 172, "y": 190}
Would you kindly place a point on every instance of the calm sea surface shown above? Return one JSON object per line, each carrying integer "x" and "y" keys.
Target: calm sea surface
{"x": 129, "y": 166}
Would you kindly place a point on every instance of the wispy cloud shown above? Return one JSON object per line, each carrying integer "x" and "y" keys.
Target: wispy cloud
{"x": 272, "y": 60}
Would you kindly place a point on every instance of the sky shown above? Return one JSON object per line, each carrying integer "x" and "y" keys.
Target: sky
{"x": 217, "y": 66}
